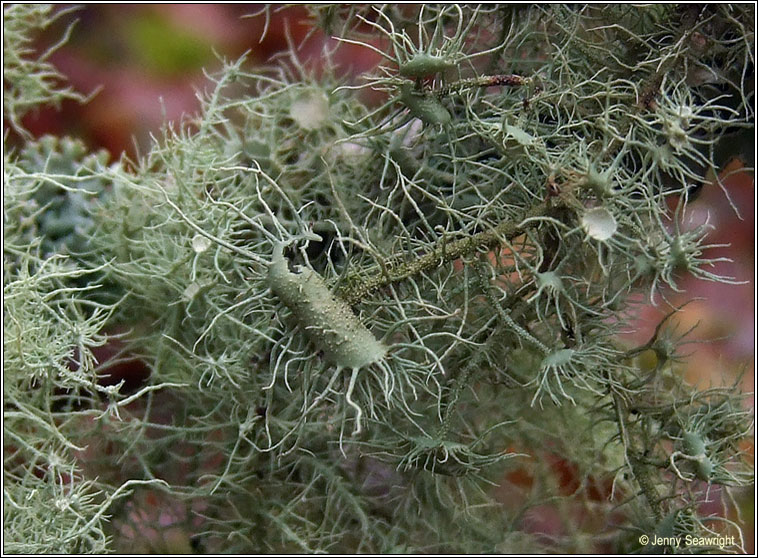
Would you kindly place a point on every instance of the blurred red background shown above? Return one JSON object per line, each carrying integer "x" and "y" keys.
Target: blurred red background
{"x": 146, "y": 63}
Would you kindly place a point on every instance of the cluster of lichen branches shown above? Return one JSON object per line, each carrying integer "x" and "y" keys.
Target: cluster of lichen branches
{"x": 363, "y": 318}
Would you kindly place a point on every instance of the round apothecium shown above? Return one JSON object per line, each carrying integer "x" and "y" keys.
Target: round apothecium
{"x": 599, "y": 223}
{"x": 200, "y": 243}
{"x": 310, "y": 109}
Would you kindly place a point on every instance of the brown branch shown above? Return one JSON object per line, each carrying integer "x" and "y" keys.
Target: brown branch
{"x": 357, "y": 287}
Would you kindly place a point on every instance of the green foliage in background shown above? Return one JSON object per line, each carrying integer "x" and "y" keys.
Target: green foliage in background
{"x": 165, "y": 51}
{"x": 358, "y": 320}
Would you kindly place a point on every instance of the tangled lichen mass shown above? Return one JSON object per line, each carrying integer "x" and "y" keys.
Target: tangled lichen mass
{"x": 364, "y": 324}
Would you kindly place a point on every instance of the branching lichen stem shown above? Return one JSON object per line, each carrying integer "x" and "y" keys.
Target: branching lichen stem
{"x": 444, "y": 251}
